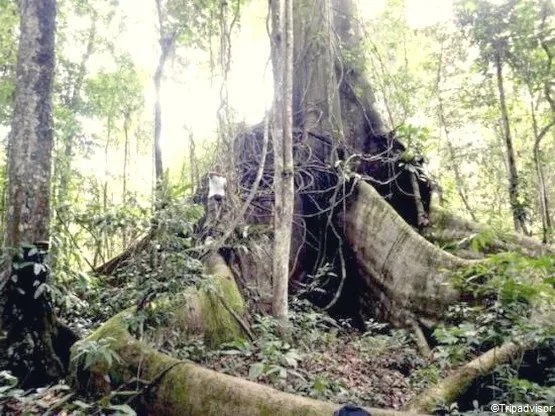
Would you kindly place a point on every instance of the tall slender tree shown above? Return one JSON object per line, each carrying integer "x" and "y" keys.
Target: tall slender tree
{"x": 282, "y": 136}
{"x": 487, "y": 26}
{"x": 167, "y": 43}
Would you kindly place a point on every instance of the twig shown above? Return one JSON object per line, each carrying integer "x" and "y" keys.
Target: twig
{"x": 343, "y": 278}
{"x": 242, "y": 323}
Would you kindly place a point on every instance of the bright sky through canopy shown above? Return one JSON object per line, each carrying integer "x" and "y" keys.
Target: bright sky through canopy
{"x": 190, "y": 95}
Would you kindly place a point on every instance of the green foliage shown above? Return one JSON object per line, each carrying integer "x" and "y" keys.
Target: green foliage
{"x": 414, "y": 137}
{"x": 426, "y": 376}
{"x": 305, "y": 362}
{"x": 514, "y": 389}
{"x": 9, "y": 20}
{"x": 52, "y": 399}
{"x": 14, "y": 399}
{"x": 113, "y": 94}
{"x": 91, "y": 353}
{"x": 511, "y": 287}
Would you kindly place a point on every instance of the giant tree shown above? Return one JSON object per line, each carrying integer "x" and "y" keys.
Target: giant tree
{"x": 38, "y": 349}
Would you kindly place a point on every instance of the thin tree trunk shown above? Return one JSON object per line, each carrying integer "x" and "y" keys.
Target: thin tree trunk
{"x": 518, "y": 215}
{"x": 459, "y": 185}
{"x": 125, "y": 162}
{"x": 159, "y": 169}
{"x": 167, "y": 42}
{"x": 542, "y": 192}
{"x": 288, "y": 189}
{"x": 281, "y": 258}
{"x": 104, "y": 235}
{"x": 65, "y": 174}
{"x": 282, "y": 55}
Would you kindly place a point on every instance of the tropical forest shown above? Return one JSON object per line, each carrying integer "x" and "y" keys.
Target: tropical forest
{"x": 277, "y": 208}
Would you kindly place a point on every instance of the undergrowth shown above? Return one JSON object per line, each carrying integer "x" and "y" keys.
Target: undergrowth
{"x": 517, "y": 295}
{"x": 322, "y": 358}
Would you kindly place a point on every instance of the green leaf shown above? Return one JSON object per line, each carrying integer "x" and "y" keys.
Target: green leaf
{"x": 89, "y": 360}
{"x": 40, "y": 290}
{"x": 123, "y": 409}
{"x": 255, "y": 371}
{"x": 37, "y": 268}
{"x": 81, "y": 404}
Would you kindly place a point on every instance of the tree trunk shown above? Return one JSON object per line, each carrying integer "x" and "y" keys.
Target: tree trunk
{"x": 72, "y": 105}
{"x": 125, "y": 162}
{"x": 330, "y": 92}
{"x": 158, "y": 166}
{"x": 334, "y": 122}
{"x": 405, "y": 275}
{"x": 38, "y": 351}
{"x": 516, "y": 206}
{"x": 542, "y": 191}
{"x": 167, "y": 42}
{"x": 282, "y": 135}
{"x": 451, "y": 388}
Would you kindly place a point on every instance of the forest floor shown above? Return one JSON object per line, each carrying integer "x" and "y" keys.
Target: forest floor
{"x": 322, "y": 359}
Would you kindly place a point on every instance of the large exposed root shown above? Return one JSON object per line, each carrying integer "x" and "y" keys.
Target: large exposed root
{"x": 451, "y": 388}
{"x": 166, "y": 386}
{"x": 407, "y": 275}
{"x": 449, "y": 227}
{"x": 188, "y": 389}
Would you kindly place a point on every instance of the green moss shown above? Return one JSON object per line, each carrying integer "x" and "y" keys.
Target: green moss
{"x": 220, "y": 325}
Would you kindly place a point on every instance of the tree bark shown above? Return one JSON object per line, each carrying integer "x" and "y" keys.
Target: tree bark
{"x": 38, "y": 351}
{"x": 167, "y": 42}
{"x": 406, "y": 276}
{"x": 451, "y": 227}
{"x": 516, "y": 206}
{"x": 451, "y": 388}
{"x": 31, "y": 137}
{"x": 282, "y": 139}
{"x": 542, "y": 191}
{"x": 282, "y": 135}
{"x": 330, "y": 91}
{"x": 125, "y": 162}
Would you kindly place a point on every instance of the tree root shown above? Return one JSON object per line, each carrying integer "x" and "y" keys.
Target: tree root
{"x": 456, "y": 228}
{"x": 451, "y": 388}
{"x": 405, "y": 275}
{"x": 175, "y": 387}
{"x": 421, "y": 341}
